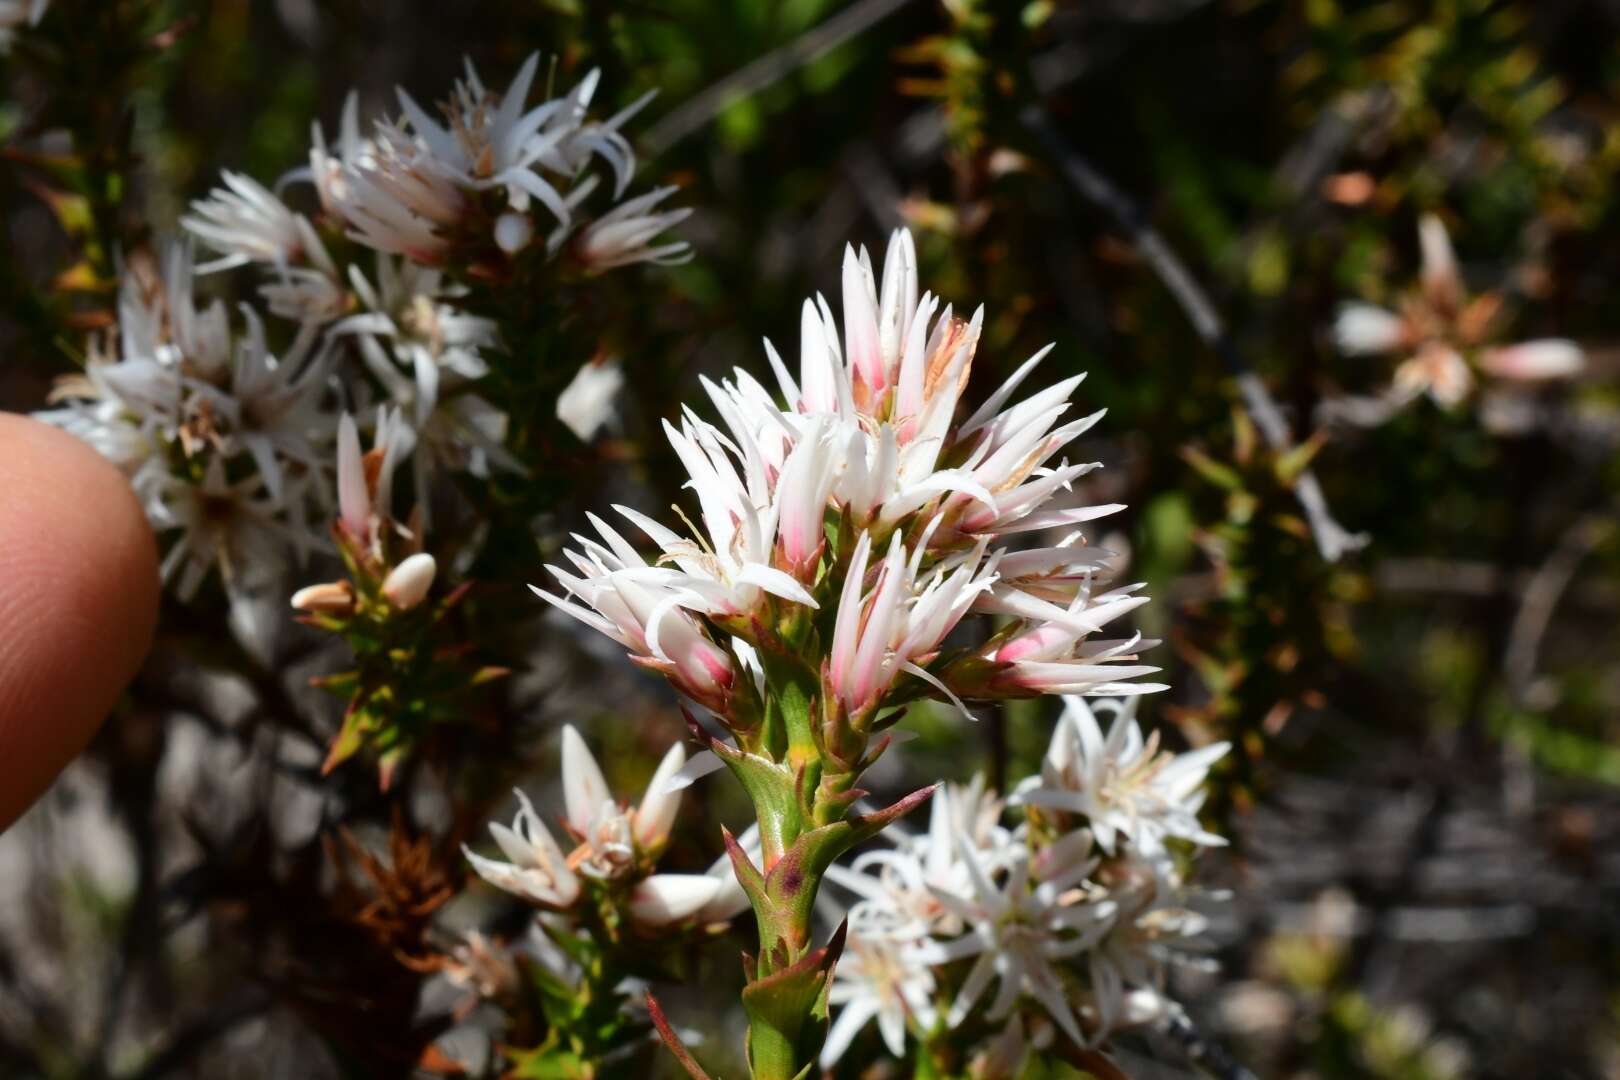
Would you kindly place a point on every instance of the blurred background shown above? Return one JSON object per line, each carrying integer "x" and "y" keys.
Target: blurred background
{"x": 1425, "y": 799}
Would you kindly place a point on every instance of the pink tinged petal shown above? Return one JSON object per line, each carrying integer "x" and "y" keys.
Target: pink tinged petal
{"x": 932, "y": 680}
{"x": 987, "y": 412}
{"x": 818, "y": 375}
{"x": 700, "y": 765}
{"x": 1441, "y": 283}
{"x": 861, "y": 349}
{"x": 1365, "y": 329}
{"x": 354, "y": 502}
{"x": 913, "y": 369}
{"x": 867, "y": 678}
{"x": 1047, "y": 519}
{"x": 584, "y": 789}
{"x": 408, "y": 583}
{"x": 898, "y": 300}
{"x": 847, "y": 626}
{"x": 656, "y": 814}
{"x": 790, "y": 389}
{"x": 1551, "y": 358}
{"x": 1069, "y": 678}
{"x": 667, "y": 898}
{"x": 775, "y": 582}
{"x": 1040, "y": 644}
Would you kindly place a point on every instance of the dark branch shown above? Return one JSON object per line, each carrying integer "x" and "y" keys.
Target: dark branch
{"x": 1332, "y": 539}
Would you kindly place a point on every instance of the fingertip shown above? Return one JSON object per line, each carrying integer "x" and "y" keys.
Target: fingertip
{"x": 78, "y": 601}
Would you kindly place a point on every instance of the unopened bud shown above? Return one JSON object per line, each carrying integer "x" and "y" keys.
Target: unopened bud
{"x": 513, "y": 231}
{"x": 410, "y": 581}
{"x": 329, "y": 598}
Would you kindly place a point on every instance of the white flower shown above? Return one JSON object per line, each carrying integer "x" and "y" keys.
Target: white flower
{"x": 669, "y": 898}
{"x": 1019, "y": 931}
{"x": 1153, "y": 930}
{"x": 625, "y": 234}
{"x": 245, "y": 222}
{"x": 272, "y": 408}
{"x": 883, "y": 979}
{"x": 1123, "y": 785}
{"x": 611, "y": 835}
{"x": 620, "y": 595}
{"x": 1443, "y": 332}
{"x": 586, "y": 404}
{"x": 412, "y": 187}
{"x": 483, "y": 966}
{"x": 223, "y": 524}
{"x": 411, "y": 307}
{"x": 537, "y": 870}
{"x": 895, "y": 888}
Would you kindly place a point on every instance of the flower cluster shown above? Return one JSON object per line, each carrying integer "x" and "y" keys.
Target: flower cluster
{"x": 846, "y": 530}
{"x": 615, "y": 849}
{"x": 223, "y": 438}
{"x": 225, "y": 423}
{"x": 1075, "y": 912}
{"x": 1445, "y": 336}
{"x": 864, "y": 508}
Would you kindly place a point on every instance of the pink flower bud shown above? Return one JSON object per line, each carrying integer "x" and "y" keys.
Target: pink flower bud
{"x": 329, "y": 598}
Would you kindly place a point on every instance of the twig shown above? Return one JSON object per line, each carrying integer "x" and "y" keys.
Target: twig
{"x": 1204, "y": 1052}
{"x": 755, "y": 76}
{"x": 1332, "y": 539}
{"x": 1541, "y": 597}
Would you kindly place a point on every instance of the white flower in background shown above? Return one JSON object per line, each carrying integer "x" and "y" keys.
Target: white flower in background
{"x": 272, "y": 408}
{"x": 483, "y": 966}
{"x": 1153, "y": 930}
{"x": 895, "y": 888}
{"x": 536, "y": 869}
{"x": 1442, "y": 334}
{"x": 1123, "y": 784}
{"x": 224, "y": 524}
{"x": 625, "y": 234}
{"x": 245, "y": 222}
{"x": 883, "y": 979}
{"x": 410, "y": 307}
{"x": 416, "y": 185}
{"x": 586, "y": 404}
{"x": 1020, "y": 933}
{"x": 223, "y": 441}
